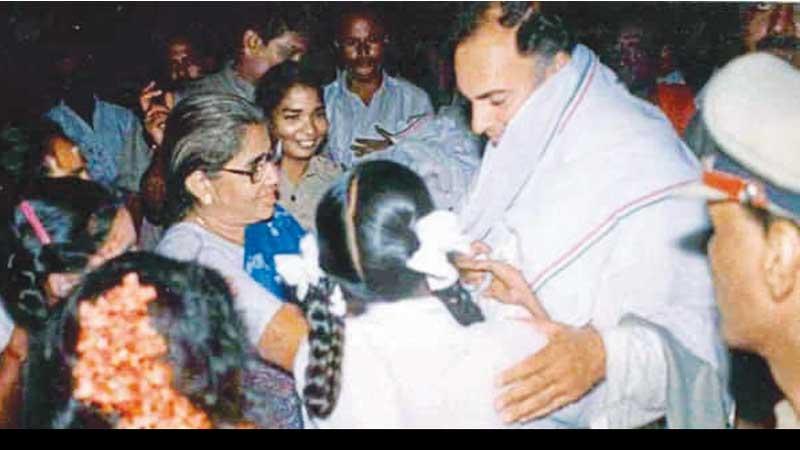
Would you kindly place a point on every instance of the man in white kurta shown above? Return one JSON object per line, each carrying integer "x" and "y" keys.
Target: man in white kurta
{"x": 572, "y": 191}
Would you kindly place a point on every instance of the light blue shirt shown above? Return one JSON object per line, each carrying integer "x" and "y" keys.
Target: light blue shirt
{"x": 443, "y": 151}
{"x": 393, "y": 104}
{"x": 102, "y": 141}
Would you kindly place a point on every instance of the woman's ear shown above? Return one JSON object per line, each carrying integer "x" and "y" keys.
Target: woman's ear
{"x": 251, "y": 42}
{"x": 198, "y": 185}
{"x": 782, "y": 259}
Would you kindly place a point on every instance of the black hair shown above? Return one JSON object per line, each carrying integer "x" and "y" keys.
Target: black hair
{"x": 539, "y": 33}
{"x": 203, "y": 132}
{"x": 23, "y": 147}
{"x": 275, "y": 84}
{"x": 206, "y": 341}
{"x": 77, "y": 215}
{"x": 367, "y": 255}
{"x": 361, "y": 10}
{"x": 273, "y": 20}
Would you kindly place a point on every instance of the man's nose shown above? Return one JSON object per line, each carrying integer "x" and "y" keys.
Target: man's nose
{"x": 481, "y": 119}
{"x": 362, "y": 48}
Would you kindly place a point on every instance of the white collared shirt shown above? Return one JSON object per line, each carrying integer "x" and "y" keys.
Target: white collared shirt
{"x": 392, "y": 105}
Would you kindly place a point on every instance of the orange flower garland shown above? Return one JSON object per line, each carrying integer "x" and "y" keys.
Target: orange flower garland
{"x": 121, "y": 362}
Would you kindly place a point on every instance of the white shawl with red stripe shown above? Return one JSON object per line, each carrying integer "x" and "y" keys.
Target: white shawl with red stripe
{"x": 574, "y": 194}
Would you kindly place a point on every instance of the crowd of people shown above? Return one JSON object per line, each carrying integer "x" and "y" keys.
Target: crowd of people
{"x": 537, "y": 241}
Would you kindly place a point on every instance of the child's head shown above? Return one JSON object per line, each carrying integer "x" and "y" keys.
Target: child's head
{"x": 149, "y": 342}
{"x": 47, "y": 240}
{"x": 367, "y": 234}
{"x": 365, "y": 230}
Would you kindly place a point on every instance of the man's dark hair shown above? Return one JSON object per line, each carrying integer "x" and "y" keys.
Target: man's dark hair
{"x": 538, "y": 33}
{"x": 361, "y": 10}
{"x": 23, "y": 146}
{"x": 272, "y": 21}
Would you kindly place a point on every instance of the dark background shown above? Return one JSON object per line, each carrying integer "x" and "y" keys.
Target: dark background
{"x": 125, "y": 37}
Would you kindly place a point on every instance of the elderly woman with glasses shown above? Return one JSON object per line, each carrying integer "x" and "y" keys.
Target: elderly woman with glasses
{"x": 222, "y": 177}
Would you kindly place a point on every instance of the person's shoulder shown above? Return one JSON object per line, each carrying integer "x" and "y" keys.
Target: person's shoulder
{"x": 406, "y": 86}
{"x": 331, "y": 90}
{"x": 116, "y": 109}
{"x": 207, "y": 84}
{"x": 182, "y": 241}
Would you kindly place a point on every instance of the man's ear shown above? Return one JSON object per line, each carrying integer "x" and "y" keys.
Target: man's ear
{"x": 198, "y": 185}
{"x": 560, "y": 60}
{"x": 251, "y": 42}
{"x": 782, "y": 259}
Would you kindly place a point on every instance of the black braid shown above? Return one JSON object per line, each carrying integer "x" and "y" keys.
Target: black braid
{"x": 326, "y": 347}
{"x": 24, "y": 298}
{"x": 459, "y": 302}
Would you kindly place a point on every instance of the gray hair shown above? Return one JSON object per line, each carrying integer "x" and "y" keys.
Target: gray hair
{"x": 203, "y": 132}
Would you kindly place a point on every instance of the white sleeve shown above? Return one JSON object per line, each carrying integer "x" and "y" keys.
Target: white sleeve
{"x": 653, "y": 273}
{"x": 6, "y": 327}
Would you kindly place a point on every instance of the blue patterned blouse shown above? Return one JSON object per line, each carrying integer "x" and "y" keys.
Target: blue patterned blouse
{"x": 263, "y": 240}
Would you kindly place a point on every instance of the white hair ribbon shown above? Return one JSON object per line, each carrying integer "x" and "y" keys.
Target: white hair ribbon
{"x": 303, "y": 270}
{"x": 439, "y": 233}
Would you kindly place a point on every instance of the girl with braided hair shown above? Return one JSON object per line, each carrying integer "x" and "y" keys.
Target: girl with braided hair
{"x": 52, "y": 232}
{"x": 408, "y": 348}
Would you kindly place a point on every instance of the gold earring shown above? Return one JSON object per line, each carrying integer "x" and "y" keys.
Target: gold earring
{"x": 207, "y": 200}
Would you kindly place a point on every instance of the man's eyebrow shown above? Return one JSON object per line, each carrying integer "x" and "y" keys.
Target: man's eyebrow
{"x": 291, "y": 110}
{"x": 489, "y": 94}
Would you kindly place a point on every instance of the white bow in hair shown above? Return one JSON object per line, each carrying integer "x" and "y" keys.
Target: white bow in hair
{"x": 303, "y": 270}
{"x": 439, "y": 233}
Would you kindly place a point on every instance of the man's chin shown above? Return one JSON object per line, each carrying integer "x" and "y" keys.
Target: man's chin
{"x": 364, "y": 73}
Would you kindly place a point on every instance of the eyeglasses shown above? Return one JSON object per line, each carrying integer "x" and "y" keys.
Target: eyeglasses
{"x": 260, "y": 165}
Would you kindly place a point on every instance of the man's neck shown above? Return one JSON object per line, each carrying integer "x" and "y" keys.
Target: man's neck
{"x": 249, "y": 70}
{"x": 784, "y": 363}
{"x": 82, "y": 102}
{"x": 294, "y": 169}
{"x": 230, "y": 232}
{"x": 364, "y": 89}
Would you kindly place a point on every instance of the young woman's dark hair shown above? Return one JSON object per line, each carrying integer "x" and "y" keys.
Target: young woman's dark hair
{"x": 194, "y": 312}
{"x": 365, "y": 231}
{"x": 272, "y": 88}
{"x": 77, "y": 216}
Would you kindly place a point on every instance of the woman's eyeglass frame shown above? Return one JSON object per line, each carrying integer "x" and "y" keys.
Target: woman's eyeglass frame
{"x": 260, "y": 165}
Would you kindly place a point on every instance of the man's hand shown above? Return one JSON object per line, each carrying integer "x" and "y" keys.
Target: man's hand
{"x": 149, "y": 94}
{"x": 366, "y": 146}
{"x": 468, "y": 275}
{"x": 155, "y": 121}
{"x": 562, "y": 372}
{"x": 508, "y": 285}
